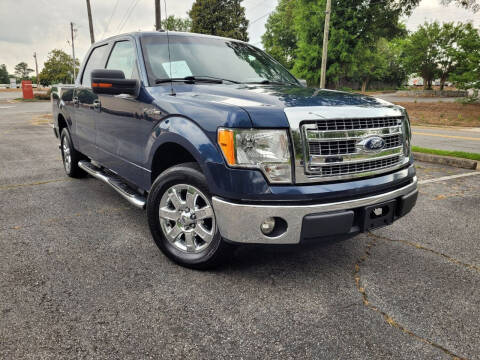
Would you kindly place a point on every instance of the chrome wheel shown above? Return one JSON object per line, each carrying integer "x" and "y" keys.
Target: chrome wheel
{"x": 187, "y": 218}
{"x": 67, "y": 156}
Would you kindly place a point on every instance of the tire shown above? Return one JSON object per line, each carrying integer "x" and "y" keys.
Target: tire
{"x": 185, "y": 230}
{"x": 70, "y": 156}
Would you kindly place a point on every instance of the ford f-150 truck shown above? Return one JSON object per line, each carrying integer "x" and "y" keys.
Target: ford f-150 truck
{"x": 223, "y": 146}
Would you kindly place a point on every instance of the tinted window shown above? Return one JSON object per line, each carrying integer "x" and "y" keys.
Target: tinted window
{"x": 123, "y": 58}
{"x": 95, "y": 61}
{"x": 203, "y": 56}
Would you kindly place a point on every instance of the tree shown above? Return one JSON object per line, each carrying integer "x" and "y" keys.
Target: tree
{"x": 421, "y": 53}
{"x": 219, "y": 17}
{"x": 280, "y": 39}
{"x": 58, "y": 68}
{"x": 436, "y": 50}
{"x": 467, "y": 72}
{"x": 352, "y": 22}
{"x": 22, "y": 71}
{"x": 369, "y": 64}
{"x": 4, "y": 78}
{"x": 473, "y": 5}
{"x": 173, "y": 23}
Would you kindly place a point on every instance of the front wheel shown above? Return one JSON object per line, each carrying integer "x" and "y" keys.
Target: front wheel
{"x": 182, "y": 219}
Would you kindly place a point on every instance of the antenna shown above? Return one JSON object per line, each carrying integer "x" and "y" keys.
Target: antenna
{"x": 168, "y": 44}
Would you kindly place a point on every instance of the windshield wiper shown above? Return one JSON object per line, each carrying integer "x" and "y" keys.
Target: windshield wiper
{"x": 195, "y": 79}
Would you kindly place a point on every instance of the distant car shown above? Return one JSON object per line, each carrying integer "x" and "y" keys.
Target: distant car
{"x": 223, "y": 146}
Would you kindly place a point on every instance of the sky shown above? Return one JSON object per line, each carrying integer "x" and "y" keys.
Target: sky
{"x": 28, "y": 26}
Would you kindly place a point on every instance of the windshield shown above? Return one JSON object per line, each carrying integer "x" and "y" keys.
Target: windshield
{"x": 209, "y": 57}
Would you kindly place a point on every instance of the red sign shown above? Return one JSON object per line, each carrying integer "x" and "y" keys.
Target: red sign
{"x": 27, "y": 89}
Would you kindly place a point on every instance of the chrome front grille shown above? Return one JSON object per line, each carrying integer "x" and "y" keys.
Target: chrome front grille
{"x": 351, "y": 124}
{"x": 336, "y": 149}
{"x": 332, "y": 147}
{"x": 358, "y": 167}
{"x": 343, "y": 147}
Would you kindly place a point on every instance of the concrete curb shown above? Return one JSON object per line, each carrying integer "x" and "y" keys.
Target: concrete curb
{"x": 447, "y": 160}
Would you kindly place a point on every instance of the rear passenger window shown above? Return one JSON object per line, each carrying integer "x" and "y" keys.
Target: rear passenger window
{"x": 123, "y": 58}
{"x": 95, "y": 61}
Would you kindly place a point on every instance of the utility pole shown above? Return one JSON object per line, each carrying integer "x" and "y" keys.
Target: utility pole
{"x": 158, "y": 15}
{"x": 325, "y": 44}
{"x": 89, "y": 11}
{"x": 36, "y": 67}
{"x": 72, "y": 30}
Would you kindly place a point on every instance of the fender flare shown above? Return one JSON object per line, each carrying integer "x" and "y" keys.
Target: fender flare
{"x": 186, "y": 133}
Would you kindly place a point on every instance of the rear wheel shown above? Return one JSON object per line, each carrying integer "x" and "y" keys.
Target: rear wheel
{"x": 182, "y": 219}
{"x": 70, "y": 156}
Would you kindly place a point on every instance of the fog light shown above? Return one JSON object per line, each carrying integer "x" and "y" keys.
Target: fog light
{"x": 268, "y": 225}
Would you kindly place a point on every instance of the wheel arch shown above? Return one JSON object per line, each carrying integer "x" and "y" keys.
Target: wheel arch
{"x": 178, "y": 140}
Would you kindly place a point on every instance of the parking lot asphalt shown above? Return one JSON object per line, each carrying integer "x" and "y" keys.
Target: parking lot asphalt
{"x": 80, "y": 276}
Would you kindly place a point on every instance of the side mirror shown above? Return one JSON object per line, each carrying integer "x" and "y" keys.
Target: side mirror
{"x": 113, "y": 82}
{"x": 303, "y": 82}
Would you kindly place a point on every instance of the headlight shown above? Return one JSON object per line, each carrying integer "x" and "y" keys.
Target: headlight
{"x": 266, "y": 150}
{"x": 407, "y": 131}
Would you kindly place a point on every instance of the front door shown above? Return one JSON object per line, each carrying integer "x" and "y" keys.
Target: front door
{"x": 122, "y": 130}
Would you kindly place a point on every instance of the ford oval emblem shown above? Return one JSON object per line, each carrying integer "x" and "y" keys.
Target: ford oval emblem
{"x": 375, "y": 143}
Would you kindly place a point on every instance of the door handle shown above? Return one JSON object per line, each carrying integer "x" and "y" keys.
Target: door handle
{"x": 97, "y": 105}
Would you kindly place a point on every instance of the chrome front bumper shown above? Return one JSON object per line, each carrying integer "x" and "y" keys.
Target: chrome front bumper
{"x": 241, "y": 222}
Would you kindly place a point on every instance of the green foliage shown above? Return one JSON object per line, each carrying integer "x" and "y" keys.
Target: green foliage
{"x": 294, "y": 35}
{"x": 421, "y": 54}
{"x": 173, "y": 23}
{"x": 58, "y": 68}
{"x": 4, "y": 78}
{"x": 280, "y": 39}
{"x": 473, "y": 5}
{"x": 219, "y": 17}
{"x": 439, "y": 50}
{"x": 22, "y": 71}
{"x": 467, "y": 71}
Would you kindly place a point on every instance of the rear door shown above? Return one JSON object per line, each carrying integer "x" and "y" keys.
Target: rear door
{"x": 86, "y": 103}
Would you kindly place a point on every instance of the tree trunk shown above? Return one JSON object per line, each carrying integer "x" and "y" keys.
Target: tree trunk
{"x": 427, "y": 84}
{"x": 443, "y": 79}
{"x": 364, "y": 85}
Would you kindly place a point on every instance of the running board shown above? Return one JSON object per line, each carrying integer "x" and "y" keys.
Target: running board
{"x": 115, "y": 182}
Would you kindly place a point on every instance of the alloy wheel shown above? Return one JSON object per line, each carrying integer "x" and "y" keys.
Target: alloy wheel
{"x": 187, "y": 218}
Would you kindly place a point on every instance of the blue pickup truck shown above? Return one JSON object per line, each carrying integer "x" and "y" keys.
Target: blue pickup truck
{"x": 223, "y": 146}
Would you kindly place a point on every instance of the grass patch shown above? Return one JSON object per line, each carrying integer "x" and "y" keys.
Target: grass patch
{"x": 31, "y": 100}
{"x": 458, "y": 154}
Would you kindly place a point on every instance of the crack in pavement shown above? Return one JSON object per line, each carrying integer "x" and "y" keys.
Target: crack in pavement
{"x": 388, "y": 319}
{"x": 421, "y": 247}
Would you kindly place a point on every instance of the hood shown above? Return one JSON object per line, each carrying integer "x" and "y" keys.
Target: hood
{"x": 266, "y": 104}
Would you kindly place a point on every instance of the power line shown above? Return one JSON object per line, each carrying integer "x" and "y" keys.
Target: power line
{"x": 127, "y": 15}
{"x": 259, "y": 18}
{"x": 110, "y": 20}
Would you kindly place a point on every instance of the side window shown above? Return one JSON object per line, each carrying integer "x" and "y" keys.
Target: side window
{"x": 123, "y": 57}
{"x": 95, "y": 61}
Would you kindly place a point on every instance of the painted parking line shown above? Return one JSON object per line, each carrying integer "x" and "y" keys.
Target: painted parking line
{"x": 447, "y": 136}
{"x": 7, "y": 107}
{"x": 443, "y": 178}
